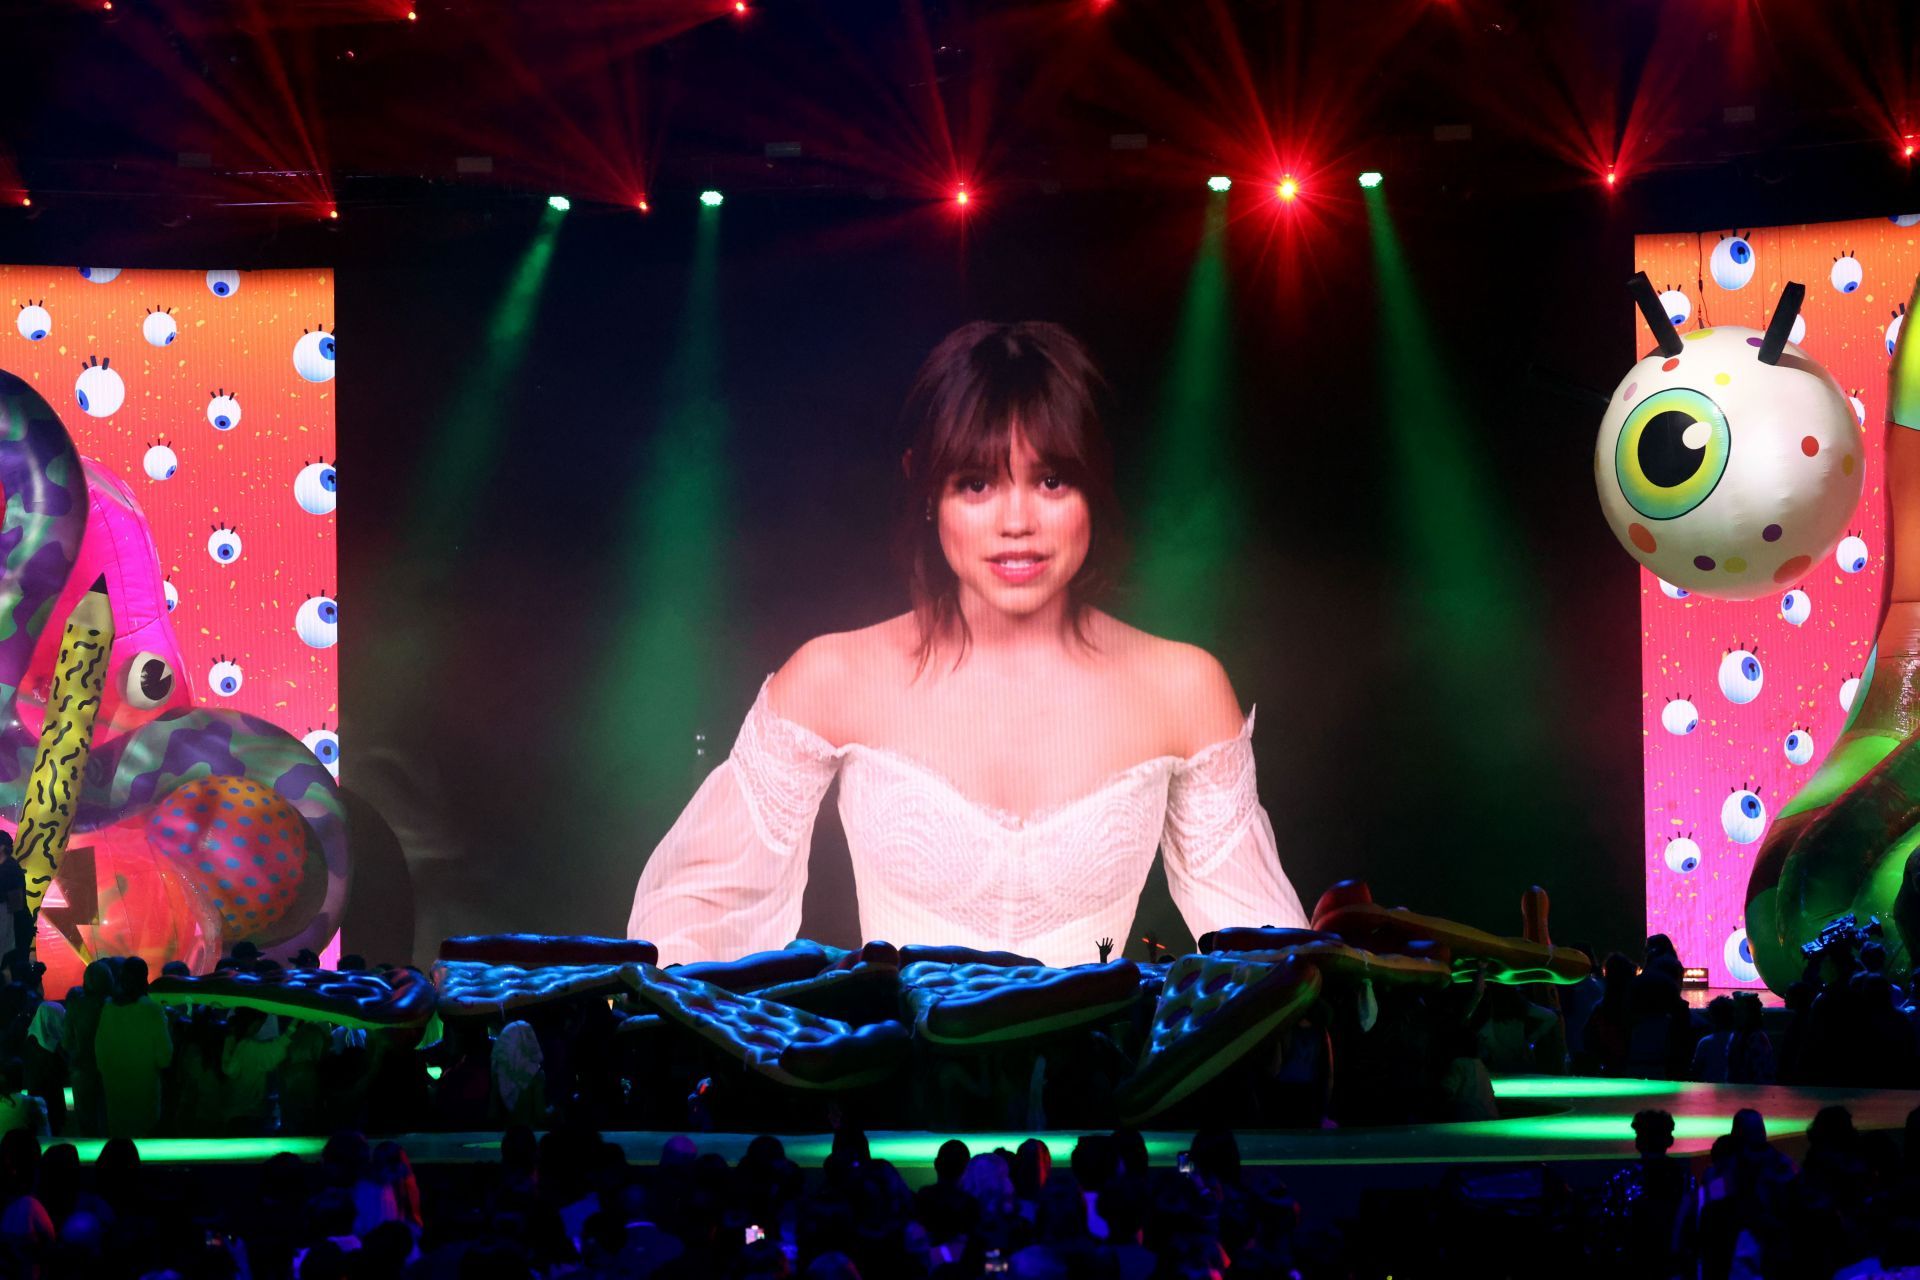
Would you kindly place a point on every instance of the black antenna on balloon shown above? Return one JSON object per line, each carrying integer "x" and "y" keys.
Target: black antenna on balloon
{"x": 1784, "y": 313}
{"x": 1665, "y": 336}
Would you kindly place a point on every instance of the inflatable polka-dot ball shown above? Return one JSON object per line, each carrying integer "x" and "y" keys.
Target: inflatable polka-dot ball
{"x": 242, "y": 847}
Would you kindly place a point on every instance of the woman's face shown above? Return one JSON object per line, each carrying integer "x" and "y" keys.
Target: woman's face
{"x": 1017, "y": 538}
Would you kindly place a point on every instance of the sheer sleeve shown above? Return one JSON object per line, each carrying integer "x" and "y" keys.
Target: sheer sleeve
{"x": 1223, "y": 865}
{"x": 728, "y": 878}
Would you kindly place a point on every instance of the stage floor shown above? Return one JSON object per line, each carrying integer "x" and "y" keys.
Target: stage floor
{"x": 1567, "y": 1120}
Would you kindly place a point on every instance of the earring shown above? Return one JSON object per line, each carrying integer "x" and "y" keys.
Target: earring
{"x": 929, "y": 510}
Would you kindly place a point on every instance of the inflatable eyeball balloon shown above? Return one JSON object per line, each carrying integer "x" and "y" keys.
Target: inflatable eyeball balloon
{"x": 1726, "y": 476}
{"x": 1799, "y": 747}
{"x": 1743, "y": 817}
{"x": 1683, "y": 855}
{"x": 1739, "y": 957}
{"x": 1741, "y": 676}
{"x": 313, "y": 356}
{"x": 315, "y": 488}
{"x": 1796, "y": 607}
{"x": 1679, "y": 718}
{"x": 34, "y": 322}
{"x": 223, "y": 284}
{"x": 159, "y": 328}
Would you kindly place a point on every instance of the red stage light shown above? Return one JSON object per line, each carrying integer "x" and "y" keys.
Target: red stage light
{"x": 333, "y": 213}
{"x": 412, "y": 16}
{"x": 643, "y": 206}
{"x": 1288, "y": 188}
{"x": 960, "y": 196}
{"x": 740, "y": 6}
{"x": 1612, "y": 178}
{"x": 26, "y": 202}
{"x": 1908, "y": 150}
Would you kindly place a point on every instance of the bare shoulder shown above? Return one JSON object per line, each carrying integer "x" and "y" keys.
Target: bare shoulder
{"x": 830, "y": 677}
{"x": 1188, "y": 688}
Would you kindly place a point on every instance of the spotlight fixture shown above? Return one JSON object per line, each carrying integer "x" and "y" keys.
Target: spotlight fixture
{"x": 1612, "y": 177}
{"x": 559, "y": 204}
{"x": 960, "y": 196}
{"x": 642, "y": 205}
{"x": 1219, "y": 183}
{"x": 334, "y": 214}
{"x": 413, "y": 15}
{"x": 1288, "y": 189}
{"x": 1372, "y": 178}
{"x": 711, "y": 199}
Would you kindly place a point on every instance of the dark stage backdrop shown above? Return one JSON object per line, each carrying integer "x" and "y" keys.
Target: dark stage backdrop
{"x": 670, "y": 445}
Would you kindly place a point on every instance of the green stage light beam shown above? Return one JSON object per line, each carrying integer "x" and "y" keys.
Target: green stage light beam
{"x": 657, "y": 679}
{"x": 467, "y": 446}
{"x": 1194, "y": 525}
{"x": 1467, "y": 601}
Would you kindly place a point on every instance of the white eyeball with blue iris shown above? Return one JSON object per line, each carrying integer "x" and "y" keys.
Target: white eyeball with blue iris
{"x": 1743, "y": 817}
{"x": 1796, "y": 607}
{"x": 313, "y": 356}
{"x": 34, "y": 321}
{"x": 1732, "y": 263}
{"x": 1738, "y": 955}
{"x": 325, "y": 745}
{"x": 1904, "y": 219}
{"x": 1798, "y": 333}
{"x": 1741, "y": 676}
{"x": 225, "y": 678}
{"x": 1893, "y": 328}
{"x": 172, "y": 593}
{"x": 318, "y": 622}
{"x": 314, "y": 488}
{"x": 223, "y": 410}
{"x": 1679, "y": 308}
{"x": 1683, "y": 855}
{"x": 159, "y": 328}
{"x": 223, "y": 284}
{"x": 1679, "y": 718}
{"x": 1670, "y": 591}
{"x": 1859, "y": 406}
{"x": 223, "y": 544}
{"x": 99, "y": 389}
{"x": 1848, "y": 688}
{"x": 1846, "y": 274}
{"x": 160, "y": 461}
{"x": 1799, "y": 747}
{"x": 99, "y": 275}
{"x": 1851, "y": 554}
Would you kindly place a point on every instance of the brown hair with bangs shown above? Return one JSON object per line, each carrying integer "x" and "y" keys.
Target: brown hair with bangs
{"x": 979, "y": 382}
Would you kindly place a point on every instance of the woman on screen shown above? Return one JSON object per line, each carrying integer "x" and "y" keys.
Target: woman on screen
{"x": 1010, "y": 756}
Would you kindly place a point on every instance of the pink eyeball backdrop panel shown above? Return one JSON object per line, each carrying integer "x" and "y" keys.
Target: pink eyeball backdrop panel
{"x": 1741, "y": 699}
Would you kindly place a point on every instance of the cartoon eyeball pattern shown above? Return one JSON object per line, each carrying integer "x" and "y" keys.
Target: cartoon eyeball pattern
{"x": 223, "y": 411}
{"x": 1738, "y": 955}
{"x": 318, "y": 622}
{"x": 159, "y": 329}
{"x": 1846, "y": 274}
{"x": 1796, "y": 607}
{"x": 1859, "y": 409}
{"x": 1679, "y": 717}
{"x": 160, "y": 463}
{"x": 1851, "y": 554}
{"x": 149, "y": 681}
{"x": 314, "y": 487}
{"x": 1679, "y": 309}
{"x": 99, "y": 275}
{"x": 1743, "y": 817}
{"x": 172, "y": 593}
{"x": 1905, "y": 219}
{"x": 223, "y": 284}
{"x": 313, "y": 356}
{"x": 34, "y": 322}
{"x": 1732, "y": 263}
{"x": 1848, "y": 688}
{"x": 1798, "y": 747}
{"x": 1683, "y": 855}
{"x": 325, "y": 745}
{"x": 225, "y": 678}
{"x": 99, "y": 389}
{"x": 1893, "y": 328}
{"x": 1741, "y": 676}
{"x": 1672, "y": 592}
{"x": 223, "y": 544}
{"x": 1797, "y": 335}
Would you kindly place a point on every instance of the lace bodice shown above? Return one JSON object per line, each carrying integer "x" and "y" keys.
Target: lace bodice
{"x": 934, "y": 866}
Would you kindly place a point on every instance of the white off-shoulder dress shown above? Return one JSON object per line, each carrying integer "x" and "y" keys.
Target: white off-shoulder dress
{"x": 933, "y": 866}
